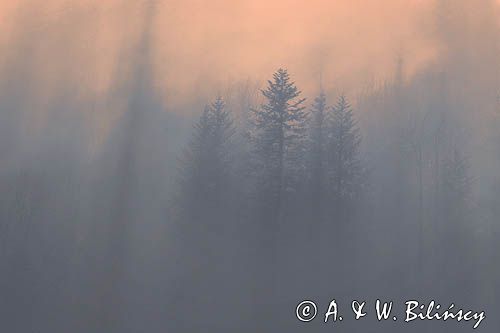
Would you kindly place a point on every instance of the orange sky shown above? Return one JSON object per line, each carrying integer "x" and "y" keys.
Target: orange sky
{"x": 201, "y": 46}
{"x": 347, "y": 40}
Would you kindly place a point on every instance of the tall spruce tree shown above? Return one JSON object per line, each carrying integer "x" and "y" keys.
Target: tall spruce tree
{"x": 346, "y": 173}
{"x": 206, "y": 164}
{"x": 278, "y": 138}
{"x": 279, "y": 132}
{"x": 206, "y": 202}
{"x": 318, "y": 142}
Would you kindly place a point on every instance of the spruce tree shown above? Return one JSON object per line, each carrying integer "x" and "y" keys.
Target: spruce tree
{"x": 346, "y": 174}
{"x": 278, "y": 138}
{"x": 206, "y": 201}
{"x": 206, "y": 164}
{"x": 318, "y": 153}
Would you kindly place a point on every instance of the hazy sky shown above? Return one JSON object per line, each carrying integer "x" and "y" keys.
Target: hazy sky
{"x": 348, "y": 41}
{"x": 203, "y": 46}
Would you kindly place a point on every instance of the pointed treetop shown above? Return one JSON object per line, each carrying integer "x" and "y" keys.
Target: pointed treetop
{"x": 219, "y": 104}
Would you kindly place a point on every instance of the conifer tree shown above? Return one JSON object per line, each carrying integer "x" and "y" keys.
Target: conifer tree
{"x": 318, "y": 152}
{"x": 279, "y": 132}
{"x": 346, "y": 174}
{"x": 206, "y": 164}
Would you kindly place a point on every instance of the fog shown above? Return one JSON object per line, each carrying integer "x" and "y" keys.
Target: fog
{"x": 207, "y": 165}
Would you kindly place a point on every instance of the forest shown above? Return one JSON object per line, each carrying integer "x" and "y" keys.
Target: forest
{"x": 122, "y": 210}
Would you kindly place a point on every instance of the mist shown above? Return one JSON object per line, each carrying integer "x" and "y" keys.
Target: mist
{"x": 207, "y": 165}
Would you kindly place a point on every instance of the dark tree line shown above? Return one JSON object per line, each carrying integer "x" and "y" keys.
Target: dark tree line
{"x": 309, "y": 186}
{"x": 207, "y": 164}
{"x": 304, "y": 162}
{"x": 304, "y": 172}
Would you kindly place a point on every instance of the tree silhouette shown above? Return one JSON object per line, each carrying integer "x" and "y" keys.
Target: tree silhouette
{"x": 346, "y": 174}
{"x": 278, "y": 138}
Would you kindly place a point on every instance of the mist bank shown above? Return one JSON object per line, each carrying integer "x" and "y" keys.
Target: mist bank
{"x": 122, "y": 211}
